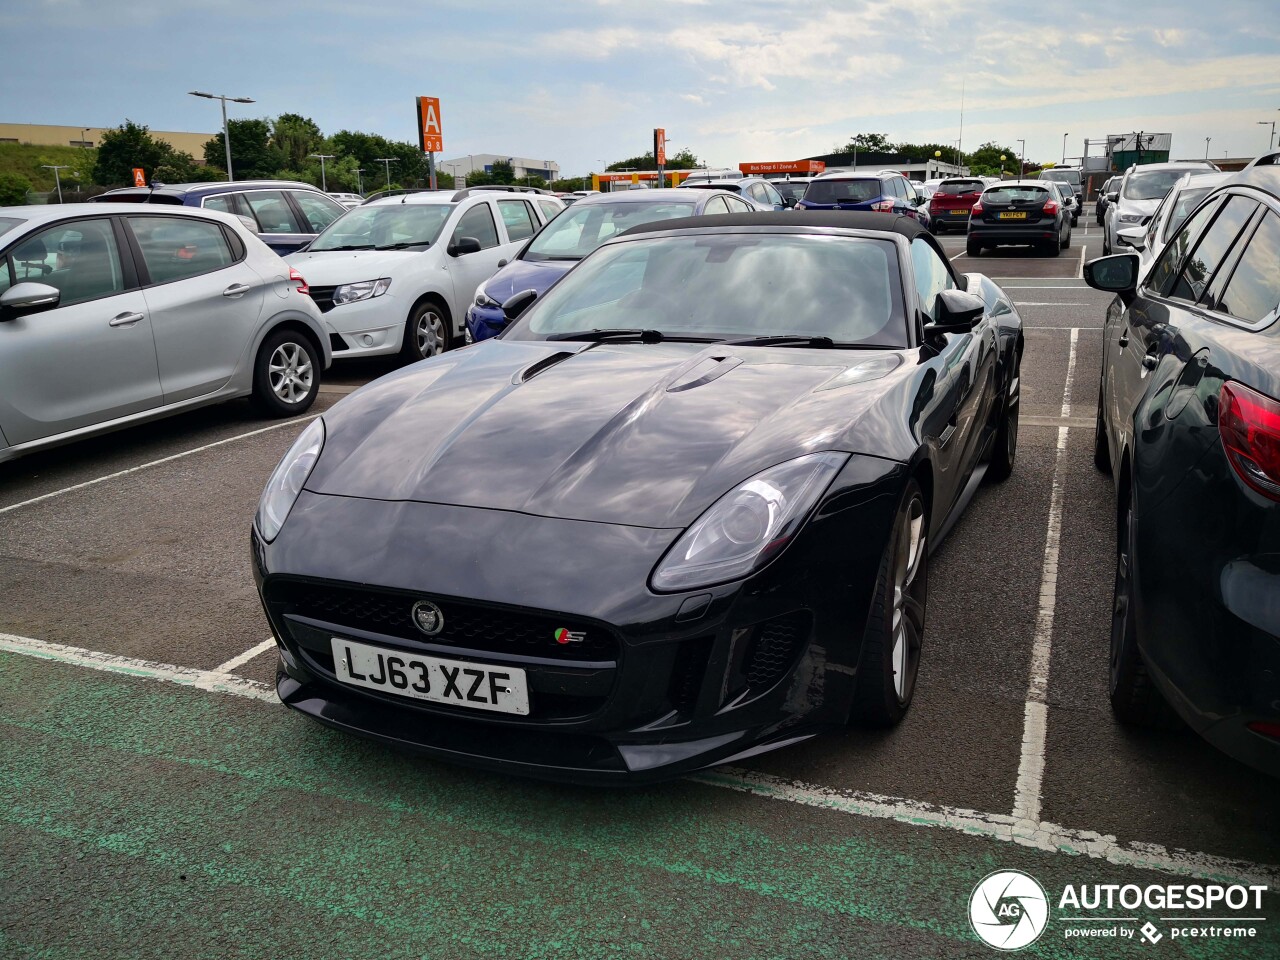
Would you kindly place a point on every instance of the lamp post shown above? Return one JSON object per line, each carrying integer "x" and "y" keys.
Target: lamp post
{"x": 83, "y": 142}
{"x": 1272, "y": 139}
{"x": 226, "y": 130}
{"x": 1064, "y": 149}
{"x": 56, "y": 179}
{"x": 386, "y": 163}
{"x": 1206, "y": 147}
{"x": 1002, "y": 158}
{"x": 322, "y": 157}
{"x": 1022, "y": 158}
{"x": 359, "y": 181}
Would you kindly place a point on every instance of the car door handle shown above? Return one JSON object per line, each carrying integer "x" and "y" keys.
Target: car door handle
{"x": 236, "y": 290}
{"x": 125, "y": 320}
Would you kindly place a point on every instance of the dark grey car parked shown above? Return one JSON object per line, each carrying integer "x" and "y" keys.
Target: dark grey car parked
{"x": 1020, "y": 212}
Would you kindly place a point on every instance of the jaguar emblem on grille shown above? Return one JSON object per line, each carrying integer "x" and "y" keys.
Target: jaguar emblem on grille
{"x": 427, "y": 617}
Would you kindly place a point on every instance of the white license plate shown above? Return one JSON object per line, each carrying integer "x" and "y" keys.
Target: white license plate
{"x": 480, "y": 686}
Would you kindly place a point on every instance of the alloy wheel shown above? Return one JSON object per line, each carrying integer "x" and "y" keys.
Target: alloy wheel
{"x": 290, "y": 372}
{"x": 428, "y": 333}
{"x": 908, "y": 605}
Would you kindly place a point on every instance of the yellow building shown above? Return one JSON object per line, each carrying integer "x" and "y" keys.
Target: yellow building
{"x": 48, "y": 135}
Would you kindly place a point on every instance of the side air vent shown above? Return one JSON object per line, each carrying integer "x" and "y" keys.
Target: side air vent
{"x": 546, "y": 363}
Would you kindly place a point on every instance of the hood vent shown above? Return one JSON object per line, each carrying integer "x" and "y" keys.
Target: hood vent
{"x": 546, "y": 363}
{"x": 703, "y": 372}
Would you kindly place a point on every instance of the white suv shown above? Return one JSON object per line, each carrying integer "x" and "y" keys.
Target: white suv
{"x": 395, "y": 275}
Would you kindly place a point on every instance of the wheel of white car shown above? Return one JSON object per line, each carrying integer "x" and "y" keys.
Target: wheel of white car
{"x": 426, "y": 332}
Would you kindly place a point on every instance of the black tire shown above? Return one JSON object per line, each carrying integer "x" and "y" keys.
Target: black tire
{"x": 1066, "y": 244}
{"x": 879, "y": 699}
{"x": 1075, "y": 221}
{"x": 286, "y": 374}
{"x": 428, "y": 332}
{"x": 1134, "y": 697}
{"x": 1106, "y": 247}
{"x": 1004, "y": 449}
{"x": 1101, "y": 452}
{"x": 972, "y": 247}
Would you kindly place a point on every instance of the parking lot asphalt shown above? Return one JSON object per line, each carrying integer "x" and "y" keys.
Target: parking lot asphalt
{"x": 158, "y": 802}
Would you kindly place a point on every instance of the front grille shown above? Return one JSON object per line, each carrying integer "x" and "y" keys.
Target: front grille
{"x": 470, "y": 625}
{"x": 323, "y": 296}
{"x": 774, "y": 649}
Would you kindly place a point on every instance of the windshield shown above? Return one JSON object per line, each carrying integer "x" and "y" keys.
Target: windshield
{"x": 1152, "y": 184}
{"x": 384, "y": 226}
{"x": 1186, "y": 201}
{"x": 843, "y": 191}
{"x": 1061, "y": 176}
{"x": 8, "y": 223}
{"x": 956, "y": 188}
{"x": 728, "y": 286}
{"x": 576, "y": 232}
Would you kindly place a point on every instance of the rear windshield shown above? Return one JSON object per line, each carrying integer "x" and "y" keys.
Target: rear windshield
{"x": 1015, "y": 194}
{"x": 955, "y": 188}
{"x": 843, "y": 191}
{"x": 790, "y": 189}
{"x": 576, "y": 232}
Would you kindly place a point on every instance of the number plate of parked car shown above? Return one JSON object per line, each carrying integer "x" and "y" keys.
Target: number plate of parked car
{"x": 1019, "y": 215}
{"x": 456, "y": 682}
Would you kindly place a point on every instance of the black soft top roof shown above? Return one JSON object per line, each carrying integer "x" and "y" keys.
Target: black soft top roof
{"x": 829, "y": 219}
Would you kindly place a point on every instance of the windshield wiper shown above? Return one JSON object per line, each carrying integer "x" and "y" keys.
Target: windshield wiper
{"x": 350, "y": 246}
{"x": 597, "y": 335}
{"x": 403, "y": 244}
{"x": 782, "y": 341}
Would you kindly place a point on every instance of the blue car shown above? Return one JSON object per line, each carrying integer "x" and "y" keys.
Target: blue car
{"x": 884, "y": 192}
{"x": 577, "y": 231}
{"x": 285, "y": 215}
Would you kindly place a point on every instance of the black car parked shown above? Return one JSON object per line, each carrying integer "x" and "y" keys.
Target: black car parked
{"x": 1100, "y": 205}
{"x": 1019, "y": 212}
{"x": 1189, "y": 425}
{"x": 678, "y": 513}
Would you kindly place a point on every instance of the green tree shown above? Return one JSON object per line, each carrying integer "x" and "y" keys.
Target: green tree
{"x": 684, "y": 160}
{"x": 293, "y": 139}
{"x": 131, "y": 145}
{"x": 867, "y": 143}
{"x": 985, "y": 161}
{"x": 13, "y": 189}
{"x": 925, "y": 151}
{"x": 251, "y": 154}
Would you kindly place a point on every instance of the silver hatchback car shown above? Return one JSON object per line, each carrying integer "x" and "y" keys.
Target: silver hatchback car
{"x": 112, "y": 316}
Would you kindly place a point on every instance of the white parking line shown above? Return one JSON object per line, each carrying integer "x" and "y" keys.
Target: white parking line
{"x": 996, "y": 826}
{"x": 239, "y": 660}
{"x": 154, "y": 463}
{"x": 1082, "y": 252}
{"x": 1027, "y": 793}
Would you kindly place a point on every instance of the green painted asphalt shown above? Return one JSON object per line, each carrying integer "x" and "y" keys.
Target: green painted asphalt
{"x": 143, "y": 819}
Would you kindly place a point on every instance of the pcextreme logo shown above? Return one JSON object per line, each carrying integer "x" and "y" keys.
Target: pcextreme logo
{"x": 1009, "y": 910}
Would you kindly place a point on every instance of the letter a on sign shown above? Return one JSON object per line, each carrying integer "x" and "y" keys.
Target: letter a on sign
{"x": 139, "y": 177}
{"x": 429, "y": 125}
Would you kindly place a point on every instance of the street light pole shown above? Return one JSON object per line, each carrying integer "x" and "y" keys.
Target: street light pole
{"x": 1206, "y": 147}
{"x": 386, "y": 162}
{"x": 226, "y": 129}
{"x": 1022, "y": 158}
{"x": 322, "y": 157}
{"x": 1064, "y": 148}
{"x": 56, "y": 179}
{"x": 359, "y": 181}
{"x": 1272, "y": 139}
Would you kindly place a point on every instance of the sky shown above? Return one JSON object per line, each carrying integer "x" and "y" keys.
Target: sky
{"x": 584, "y": 82}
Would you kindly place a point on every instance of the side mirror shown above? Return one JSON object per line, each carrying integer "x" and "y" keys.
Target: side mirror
{"x": 961, "y": 312}
{"x": 1135, "y": 237}
{"x": 1113, "y": 197}
{"x": 517, "y": 303}
{"x": 789, "y": 202}
{"x": 502, "y": 263}
{"x": 1114, "y": 274}
{"x": 28, "y": 297}
{"x": 462, "y": 246}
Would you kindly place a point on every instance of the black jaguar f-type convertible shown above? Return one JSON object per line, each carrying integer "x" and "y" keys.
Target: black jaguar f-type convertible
{"x": 678, "y": 513}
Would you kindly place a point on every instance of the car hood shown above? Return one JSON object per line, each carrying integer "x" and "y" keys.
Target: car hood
{"x": 331, "y": 267}
{"x": 640, "y": 434}
{"x": 525, "y": 275}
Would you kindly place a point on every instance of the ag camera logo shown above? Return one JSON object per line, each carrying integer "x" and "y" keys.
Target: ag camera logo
{"x": 1008, "y": 910}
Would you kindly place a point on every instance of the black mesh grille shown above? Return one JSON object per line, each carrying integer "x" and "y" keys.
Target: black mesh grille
{"x": 774, "y": 649}
{"x": 465, "y": 624}
{"x": 687, "y": 672}
{"x": 323, "y": 296}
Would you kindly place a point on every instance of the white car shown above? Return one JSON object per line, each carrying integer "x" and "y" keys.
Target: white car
{"x": 1141, "y": 190}
{"x": 1173, "y": 210}
{"x": 348, "y": 200}
{"x": 395, "y": 275}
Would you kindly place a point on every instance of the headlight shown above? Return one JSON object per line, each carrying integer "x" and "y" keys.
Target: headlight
{"x": 1130, "y": 218}
{"x": 287, "y": 480}
{"x": 749, "y": 525}
{"x": 364, "y": 290}
{"x": 484, "y": 300}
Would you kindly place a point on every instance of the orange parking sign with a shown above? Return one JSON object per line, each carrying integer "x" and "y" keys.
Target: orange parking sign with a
{"x": 431, "y": 134}
{"x": 139, "y": 177}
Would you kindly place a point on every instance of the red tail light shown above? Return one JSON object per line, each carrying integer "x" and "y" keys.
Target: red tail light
{"x": 977, "y": 208}
{"x": 1051, "y": 206}
{"x": 1249, "y": 424}
{"x": 883, "y": 206}
{"x": 296, "y": 277}
{"x": 1266, "y": 728}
